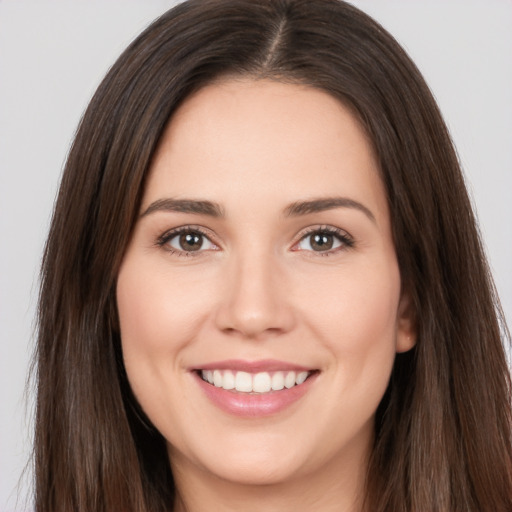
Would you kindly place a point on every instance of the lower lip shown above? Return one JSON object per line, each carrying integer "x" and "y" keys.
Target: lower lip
{"x": 254, "y": 404}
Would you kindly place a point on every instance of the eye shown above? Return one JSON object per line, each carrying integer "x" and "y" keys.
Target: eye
{"x": 186, "y": 240}
{"x": 324, "y": 240}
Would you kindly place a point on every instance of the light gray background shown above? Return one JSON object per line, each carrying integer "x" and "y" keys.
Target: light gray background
{"x": 53, "y": 55}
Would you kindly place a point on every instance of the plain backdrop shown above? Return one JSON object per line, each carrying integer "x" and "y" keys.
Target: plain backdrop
{"x": 53, "y": 55}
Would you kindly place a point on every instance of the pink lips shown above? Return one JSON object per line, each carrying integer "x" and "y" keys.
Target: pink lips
{"x": 254, "y": 405}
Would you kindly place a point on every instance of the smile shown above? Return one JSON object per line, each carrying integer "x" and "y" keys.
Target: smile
{"x": 261, "y": 382}
{"x": 254, "y": 389}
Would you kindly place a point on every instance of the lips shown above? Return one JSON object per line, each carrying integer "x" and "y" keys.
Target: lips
{"x": 254, "y": 388}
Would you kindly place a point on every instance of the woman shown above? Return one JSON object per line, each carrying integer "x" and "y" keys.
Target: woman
{"x": 263, "y": 287}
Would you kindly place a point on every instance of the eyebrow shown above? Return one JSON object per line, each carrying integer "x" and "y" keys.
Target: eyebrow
{"x": 198, "y": 207}
{"x": 296, "y": 209}
{"x": 328, "y": 203}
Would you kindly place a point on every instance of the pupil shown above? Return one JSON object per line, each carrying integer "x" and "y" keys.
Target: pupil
{"x": 191, "y": 241}
{"x": 322, "y": 242}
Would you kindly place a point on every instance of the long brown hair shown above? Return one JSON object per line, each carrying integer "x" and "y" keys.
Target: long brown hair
{"x": 443, "y": 428}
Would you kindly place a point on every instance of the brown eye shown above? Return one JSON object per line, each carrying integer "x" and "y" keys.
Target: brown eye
{"x": 189, "y": 241}
{"x": 321, "y": 241}
{"x": 324, "y": 241}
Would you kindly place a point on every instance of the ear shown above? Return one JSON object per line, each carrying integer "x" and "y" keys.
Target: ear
{"x": 406, "y": 329}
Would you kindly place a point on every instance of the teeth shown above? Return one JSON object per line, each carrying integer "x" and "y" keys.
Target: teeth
{"x": 278, "y": 381}
{"x": 243, "y": 382}
{"x": 228, "y": 380}
{"x": 217, "y": 379}
{"x": 289, "y": 380}
{"x": 301, "y": 378}
{"x": 261, "y": 382}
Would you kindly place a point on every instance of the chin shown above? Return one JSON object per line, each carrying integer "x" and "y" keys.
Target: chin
{"x": 249, "y": 462}
{"x": 256, "y": 472}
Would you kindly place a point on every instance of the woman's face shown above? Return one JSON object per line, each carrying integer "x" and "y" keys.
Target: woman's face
{"x": 262, "y": 256}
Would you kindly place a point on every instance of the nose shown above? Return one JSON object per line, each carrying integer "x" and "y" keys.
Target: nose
{"x": 255, "y": 301}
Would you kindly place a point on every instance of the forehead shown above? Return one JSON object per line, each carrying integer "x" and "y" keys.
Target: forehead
{"x": 266, "y": 139}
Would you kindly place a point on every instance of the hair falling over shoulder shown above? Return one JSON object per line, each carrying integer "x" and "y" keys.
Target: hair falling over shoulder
{"x": 443, "y": 430}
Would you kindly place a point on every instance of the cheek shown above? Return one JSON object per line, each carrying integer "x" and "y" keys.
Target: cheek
{"x": 157, "y": 311}
{"x": 354, "y": 315}
{"x": 354, "y": 307}
{"x": 156, "y": 320}
{"x": 158, "y": 316}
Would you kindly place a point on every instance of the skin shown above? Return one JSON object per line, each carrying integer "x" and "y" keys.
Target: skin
{"x": 256, "y": 290}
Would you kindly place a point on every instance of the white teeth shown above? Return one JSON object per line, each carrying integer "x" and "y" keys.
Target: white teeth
{"x": 243, "y": 381}
{"x": 301, "y": 378}
{"x": 207, "y": 376}
{"x": 262, "y": 382}
{"x": 278, "y": 381}
{"x": 289, "y": 380}
{"x": 229, "y": 380}
{"x": 217, "y": 379}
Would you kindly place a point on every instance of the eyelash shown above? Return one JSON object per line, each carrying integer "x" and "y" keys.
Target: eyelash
{"x": 164, "y": 239}
{"x": 346, "y": 241}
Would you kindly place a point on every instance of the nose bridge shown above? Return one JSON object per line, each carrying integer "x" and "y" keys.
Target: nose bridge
{"x": 254, "y": 300}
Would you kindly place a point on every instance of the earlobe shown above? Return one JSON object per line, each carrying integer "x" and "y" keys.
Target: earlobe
{"x": 406, "y": 332}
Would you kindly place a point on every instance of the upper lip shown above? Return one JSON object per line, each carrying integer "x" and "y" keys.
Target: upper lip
{"x": 262, "y": 365}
